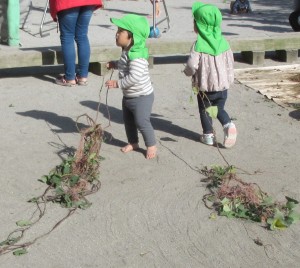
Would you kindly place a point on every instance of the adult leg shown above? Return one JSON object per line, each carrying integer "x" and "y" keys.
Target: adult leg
{"x": 82, "y": 41}
{"x": 67, "y": 20}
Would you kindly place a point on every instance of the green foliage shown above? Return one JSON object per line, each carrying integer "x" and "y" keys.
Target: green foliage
{"x": 10, "y": 241}
{"x": 20, "y": 252}
{"x": 212, "y": 111}
{"x": 23, "y": 223}
{"x": 66, "y": 185}
{"x": 233, "y": 198}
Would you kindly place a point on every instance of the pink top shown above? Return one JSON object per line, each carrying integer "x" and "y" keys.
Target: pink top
{"x": 210, "y": 73}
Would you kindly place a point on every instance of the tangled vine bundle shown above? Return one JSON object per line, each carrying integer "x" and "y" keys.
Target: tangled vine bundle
{"x": 68, "y": 184}
{"x": 232, "y": 197}
{"x": 77, "y": 176}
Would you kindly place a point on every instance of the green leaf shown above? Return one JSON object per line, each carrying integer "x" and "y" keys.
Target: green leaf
{"x": 33, "y": 200}
{"x": 243, "y": 214}
{"x": 241, "y": 207}
{"x": 229, "y": 214}
{"x": 66, "y": 169}
{"x": 278, "y": 214}
{"x": 277, "y": 224}
{"x": 20, "y": 252}
{"x": 59, "y": 191}
{"x": 292, "y": 200}
{"x": 82, "y": 204}
{"x": 290, "y": 205}
{"x": 195, "y": 90}
{"x": 44, "y": 179}
{"x": 211, "y": 198}
{"x": 225, "y": 201}
{"x": 55, "y": 179}
{"x": 10, "y": 241}
{"x": 213, "y": 216}
{"x": 23, "y": 223}
{"x": 92, "y": 156}
{"x": 267, "y": 201}
{"x": 3, "y": 243}
{"x": 231, "y": 169}
{"x": 293, "y": 217}
{"x": 73, "y": 180}
{"x": 212, "y": 111}
{"x": 67, "y": 201}
{"x": 226, "y": 208}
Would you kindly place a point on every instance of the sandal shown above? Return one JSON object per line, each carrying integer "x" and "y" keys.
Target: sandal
{"x": 63, "y": 82}
{"x": 80, "y": 81}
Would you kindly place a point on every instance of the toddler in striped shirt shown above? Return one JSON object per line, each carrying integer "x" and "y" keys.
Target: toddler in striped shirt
{"x": 134, "y": 81}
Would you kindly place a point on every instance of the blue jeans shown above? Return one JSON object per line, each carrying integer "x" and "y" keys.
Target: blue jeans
{"x": 216, "y": 98}
{"x": 73, "y": 25}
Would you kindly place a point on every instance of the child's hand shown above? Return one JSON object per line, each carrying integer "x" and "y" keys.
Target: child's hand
{"x": 110, "y": 65}
{"x": 111, "y": 84}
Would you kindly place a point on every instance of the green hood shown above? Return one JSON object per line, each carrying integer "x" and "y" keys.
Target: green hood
{"x": 140, "y": 29}
{"x": 208, "y": 22}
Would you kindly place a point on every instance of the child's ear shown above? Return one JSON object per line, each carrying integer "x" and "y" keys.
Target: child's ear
{"x": 132, "y": 42}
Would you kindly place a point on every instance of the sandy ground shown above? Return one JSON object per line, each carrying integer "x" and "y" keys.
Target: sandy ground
{"x": 147, "y": 213}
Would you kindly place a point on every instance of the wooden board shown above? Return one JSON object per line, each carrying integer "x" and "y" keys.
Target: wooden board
{"x": 278, "y": 83}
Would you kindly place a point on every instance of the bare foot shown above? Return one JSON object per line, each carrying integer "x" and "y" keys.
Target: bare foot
{"x": 151, "y": 152}
{"x": 130, "y": 147}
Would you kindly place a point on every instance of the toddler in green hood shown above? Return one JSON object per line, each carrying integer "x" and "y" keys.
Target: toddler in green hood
{"x": 140, "y": 29}
{"x": 211, "y": 66}
{"x": 208, "y": 19}
{"x": 134, "y": 81}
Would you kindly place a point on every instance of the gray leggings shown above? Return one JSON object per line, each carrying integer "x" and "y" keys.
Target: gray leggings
{"x": 136, "y": 116}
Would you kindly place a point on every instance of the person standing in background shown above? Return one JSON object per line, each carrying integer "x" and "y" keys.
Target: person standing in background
{"x": 73, "y": 18}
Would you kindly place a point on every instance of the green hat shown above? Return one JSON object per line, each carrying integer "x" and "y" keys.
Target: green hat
{"x": 140, "y": 29}
{"x": 208, "y": 20}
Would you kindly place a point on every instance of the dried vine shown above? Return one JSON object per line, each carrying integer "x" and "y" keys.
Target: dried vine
{"x": 230, "y": 196}
{"x": 68, "y": 184}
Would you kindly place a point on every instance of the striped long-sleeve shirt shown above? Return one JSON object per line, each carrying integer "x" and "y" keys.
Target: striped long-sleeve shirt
{"x": 134, "y": 78}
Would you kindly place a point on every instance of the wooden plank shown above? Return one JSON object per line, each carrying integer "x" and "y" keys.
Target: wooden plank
{"x": 51, "y": 56}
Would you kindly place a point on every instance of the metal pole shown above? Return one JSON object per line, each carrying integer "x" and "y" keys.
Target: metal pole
{"x": 154, "y": 18}
{"x": 13, "y": 22}
{"x": 43, "y": 19}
